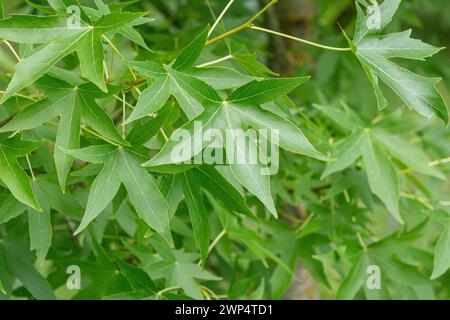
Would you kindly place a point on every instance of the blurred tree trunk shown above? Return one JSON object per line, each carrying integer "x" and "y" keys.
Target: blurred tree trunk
{"x": 296, "y": 18}
{"x": 293, "y": 17}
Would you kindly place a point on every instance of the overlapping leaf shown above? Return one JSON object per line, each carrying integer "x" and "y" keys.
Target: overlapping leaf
{"x": 121, "y": 166}
{"x": 60, "y": 39}
{"x": 71, "y": 104}
{"x": 374, "y": 144}
{"x": 12, "y": 174}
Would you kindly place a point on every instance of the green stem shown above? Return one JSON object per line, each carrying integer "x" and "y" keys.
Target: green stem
{"x": 438, "y": 162}
{"x": 216, "y": 23}
{"x": 161, "y": 292}
{"x": 30, "y": 167}
{"x": 123, "y": 115}
{"x": 12, "y": 50}
{"x": 21, "y": 96}
{"x": 121, "y": 57}
{"x": 299, "y": 39}
{"x": 207, "y": 64}
{"x": 214, "y": 243}
{"x": 99, "y": 136}
{"x": 246, "y": 25}
{"x": 361, "y": 241}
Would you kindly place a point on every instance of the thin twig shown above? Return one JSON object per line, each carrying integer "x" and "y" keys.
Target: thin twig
{"x": 119, "y": 55}
{"x": 299, "y": 39}
{"x": 99, "y": 136}
{"x": 228, "y": 57}
{"x": 243, "y": 26}
{"x": 214, "y": 243}
{"x": 439, "y": 162}
{"x": 123, "y": 115}
{"x": 21, "y": 96}
{"x": 12, "y": 50}
{"x": 30, "y": 167}
{"x": 216, "y": 23}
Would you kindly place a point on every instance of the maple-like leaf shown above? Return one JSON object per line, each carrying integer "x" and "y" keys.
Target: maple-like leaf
{"x": 72, "y": 104}
{"x": 375, "y": 51}
{"x": 240, "y": 110}
{"x": 60, "y": 39}
{"x": 12, "y": 174}
{"x": 122, "y": 166}
{"x": 375, "y": 144}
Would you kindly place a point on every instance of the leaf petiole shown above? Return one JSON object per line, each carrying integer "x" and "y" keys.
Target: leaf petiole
{"x": 246, "y": 25}
{"x": 121, "y": 57}
{"x": 299, "y": 39}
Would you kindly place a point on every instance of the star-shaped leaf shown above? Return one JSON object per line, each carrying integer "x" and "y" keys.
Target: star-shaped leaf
{"x": 60, "y": 40}
{"x": 375, "y": 51}
{"x": 175, "y": 79}
{"x": 240, "y": 110}
{"x": 122, "y": 166}
{"x": 71, "y": 104}
{"x": 375, "y": 144}
{"x": 50, "y": 197}
{"x": 12, "y": 174}
{"x": 179, "y": 269}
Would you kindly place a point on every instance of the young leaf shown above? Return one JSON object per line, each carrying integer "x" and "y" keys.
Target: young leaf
{"x": 179, "y": 269}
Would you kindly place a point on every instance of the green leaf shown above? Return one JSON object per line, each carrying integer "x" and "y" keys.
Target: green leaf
{"x": 251, "y": 176}
{"x": 260, "y": 92}
{"x": 170, "y": 153}
{"x": 442, "y": 252}
{"x": 41, "y": 232}
{"x": 290, "y": 136}
{"x": 103, "y": 190}
{"x": 141, "y": 133}
{"x": 191, "y": 52}
{"x": 382, "y": 176}
{"x": 85, "y": 40}
{"x": 10, "y": 209}
{"x": 198, "y": 214}
{"x": 398, "y": 45}
{"x": 143, "y": 192}
{"x": 121, "y": 166}
{"x": 387, "y": 11}
{"x": 345, "y": 153}
{"x": 179, "y": 269}
{"x": 72, "y": 105}
{"x": 152, "y": 99}
{"x": 374, "y": 51}
{"x": 341, "y": 118}
{"x": 408, "y": 153}
{"x": 191, "y": 93}
{"x": 13, "y": 175}
{"x": 220, "y": 78}
{"x": 90, "y": 53}
{"x": 35, "y": 66}
{"x": 213, "y": 182}
{"x": 36, "y": 29}
{"x": 20, "y": 263}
